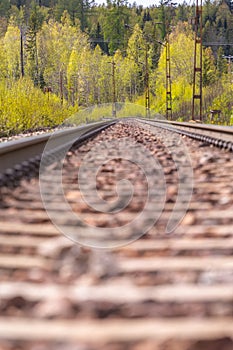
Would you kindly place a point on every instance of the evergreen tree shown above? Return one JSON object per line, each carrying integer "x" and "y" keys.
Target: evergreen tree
{"x": 34, "y": 25}
{"x": 208, "y": 69}
{"x": 113, "y": 24}
{"x": 77, "y": 9}
{"x": 97, "y": 38}
{"x": 4, "y": 8}
{"x": 230, "y": 4}
{"x": 221, "y": 63}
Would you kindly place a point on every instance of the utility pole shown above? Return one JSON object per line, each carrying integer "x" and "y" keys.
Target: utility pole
{"x": 61, "y": 86}
{"x": 113, "y": 89}
{"x": 147, "y": 85}
{"x": 197, "y": 72}
{"x": 168, "y": 81}
{"x": 168, "y": 77}
{"x": 21, "y": 52}
{"x": 166, "y": 28}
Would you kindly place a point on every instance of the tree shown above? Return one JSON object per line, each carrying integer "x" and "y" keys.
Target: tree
{"x": 3, "y": 61}
{"x": 19, "y": 18}
{"x": 209, "y": 69}
{"x": 126, "y": 77}
{"x": 113, "y": 24}
{"x": 229, "y": 4}
{"x": 181, "y": 49}
{"x": 56, "y": 42}
{"x": 182, "y": 13}
{"x": 77, "y": 9}
{"x": 97, "y": 38}
{"x": 136, "y": 45}
{"x": 141, "y": 51}
{"x": 34, "y": 25}
{"x": 3, "y": 26}
{"x": 71, "y": 55}
{"x": 162, "y": 19}
{"x": 4, "y": 8}
{"x": 73, "y": 77}
{"x": 209, "y": 12}
{"x": 12, "y": 51}
{"x": 221, "y": 62}
{"x": 146, "y": 16}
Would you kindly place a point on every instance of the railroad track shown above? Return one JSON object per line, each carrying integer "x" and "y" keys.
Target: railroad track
{"x": 164, "y": 282}
{"x": 21, "y": 156}
{"x": 219, "y": 136}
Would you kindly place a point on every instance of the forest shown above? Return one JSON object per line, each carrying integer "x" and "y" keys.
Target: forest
{"x": 58, "y": 57}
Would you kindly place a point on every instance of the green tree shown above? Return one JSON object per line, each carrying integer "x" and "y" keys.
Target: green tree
{"x": 113, "y": 24}
{"x": 4, "y": 8}
{"x": 77, "y": 9}
{"x": 97, "y": 38}
{"x": 182, "y": 13}
{"x": 223, "y": 100}
{"x": 209, "y": 12}
{"x": 166, "y": 14}
{"x": 209, "y": 68}
{"x": 3, "y": 61}
{"x": 3, "y": 26}
{"x": 19, "y": 17}
{"x": 34, "y": 25}
{"x": 56, "y": 42}
{"x": 181, "y": 49}
{"x": 221, "y": 62}
{"x": 136, "y": 45}
{"x": 12, "y": 51}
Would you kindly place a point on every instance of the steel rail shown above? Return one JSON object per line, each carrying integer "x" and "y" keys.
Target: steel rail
{"x": 20, "y": 156}
{"x": 220, "y": 136}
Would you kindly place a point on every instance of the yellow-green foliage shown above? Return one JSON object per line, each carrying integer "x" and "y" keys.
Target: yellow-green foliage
{"x": 63, "y": 61}
{"x": 11, "y": 49}
{"x": 181, "y": 51}
{"x": 105, "y": 111}
{"x": 220, "y": 97}
{"x": 91, "y": 114}
{"x": 56, "y": 41}
{"x": 22, "y": 106}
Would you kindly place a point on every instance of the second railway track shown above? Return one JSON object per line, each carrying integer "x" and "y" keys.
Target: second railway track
{"x": 219, "y": 136}
{"x": 163, "y": 291}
